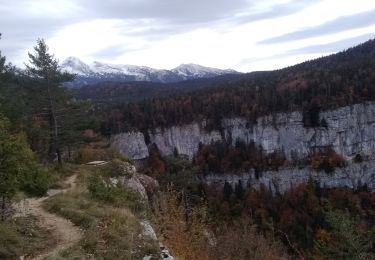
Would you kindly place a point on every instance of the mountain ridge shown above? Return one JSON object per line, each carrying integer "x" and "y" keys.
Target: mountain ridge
{"x": 95, "y": 72}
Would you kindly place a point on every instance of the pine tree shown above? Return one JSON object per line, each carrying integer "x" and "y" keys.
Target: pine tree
{"x": 345, "y": 239}
{"x": 227, "y": 190}
{"x": 50, "y": 98}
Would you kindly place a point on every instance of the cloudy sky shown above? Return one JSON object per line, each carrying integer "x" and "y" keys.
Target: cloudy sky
{"x": 246, "y": 35}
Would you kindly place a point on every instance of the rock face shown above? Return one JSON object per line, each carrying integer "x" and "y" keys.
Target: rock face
{"x": 135, "y": 181}
{"x": 350, "y": 130}
{"x": 353, "y": 176}
{"x": 131, "y": 144}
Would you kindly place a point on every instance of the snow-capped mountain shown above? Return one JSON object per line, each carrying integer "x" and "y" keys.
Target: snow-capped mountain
{"x": 98, "y": 71}
{"x": 192, "y": 71}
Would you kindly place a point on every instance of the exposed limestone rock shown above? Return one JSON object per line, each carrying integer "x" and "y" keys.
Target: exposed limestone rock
{"x": 353, "y": 176}
{"x": 149, "y": 231}
{"x": 130, "y": 178}
{"x": 184, "y": 139}
{"x": 134, "y": 184}
{"x": 349, "y": 130}
{"x": 140, "y": 183}
{"x": 131, "y": 145}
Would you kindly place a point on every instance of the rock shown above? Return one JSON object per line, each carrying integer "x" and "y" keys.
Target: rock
{"x": 165, "y": 255}
{"x": 97, "y": 163}
{"x": 130, "y": 178}
{"x": 148, "y": 230}
{"x": 353, "y": 176}
{"x": 150, "y": 184}
{"x": 349, "y": 130}
{"x": 131, "y": 145}
{"x": 134, "y": 184}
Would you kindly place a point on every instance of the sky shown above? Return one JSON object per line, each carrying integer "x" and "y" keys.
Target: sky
{"x": 246, "y": 35}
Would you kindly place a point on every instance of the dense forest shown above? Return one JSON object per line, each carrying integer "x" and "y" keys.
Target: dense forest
{"x": 329, "y": 82}
{"x": 306, "y": 222}
{"x": 115, "y": 92}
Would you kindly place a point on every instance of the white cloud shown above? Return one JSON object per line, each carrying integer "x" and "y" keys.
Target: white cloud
{"x": 164, "y": 40}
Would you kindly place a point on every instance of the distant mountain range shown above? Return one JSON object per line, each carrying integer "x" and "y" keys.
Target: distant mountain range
{"x": 98, "y": 72}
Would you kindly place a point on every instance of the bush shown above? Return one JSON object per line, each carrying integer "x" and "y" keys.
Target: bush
{"x": 116, "y": 168}
{"x": 327, "y": 161}
{"x": 36, "y": 181}
{"x": 116, "y": 195}
{"x": 336, "y": 160}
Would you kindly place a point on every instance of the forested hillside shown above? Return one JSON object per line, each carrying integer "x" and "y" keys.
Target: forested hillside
{"x": 329, "y": 82}
{"x": 114, "y": 92}
{"x": 309, "y": 219}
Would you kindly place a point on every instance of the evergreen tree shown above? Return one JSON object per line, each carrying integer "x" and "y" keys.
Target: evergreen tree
{"x": 50, "y": 97}
{"x": 239, "y": 190}
{"x": 345, "y": 240}
{"x": 227, "y": 190}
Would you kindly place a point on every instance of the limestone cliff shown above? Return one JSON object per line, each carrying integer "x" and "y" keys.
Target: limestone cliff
{"x": 353, "y": 176}
{"x": 349, "y": 130}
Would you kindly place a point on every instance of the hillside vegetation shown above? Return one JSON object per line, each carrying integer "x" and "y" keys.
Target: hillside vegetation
{"x": 47, "y": 135}
{"x": 337, "y": 80}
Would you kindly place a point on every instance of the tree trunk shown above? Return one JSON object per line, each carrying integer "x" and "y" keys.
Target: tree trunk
{"x": 69, "y": 153}
{"x": 54, "y": 127}
{"x": 3, "y": 208}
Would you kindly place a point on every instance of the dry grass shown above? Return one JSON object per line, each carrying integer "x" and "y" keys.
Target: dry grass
{"x": 110, "y": 232}
{"x": 188, "y": 234}
{"x": 23, "y": 237}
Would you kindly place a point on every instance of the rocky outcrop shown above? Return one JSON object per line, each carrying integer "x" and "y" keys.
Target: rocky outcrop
{"x": 349, "y": 130}
{"x": 149, "y": 231}
{"x": 131, "y": 144}
{"x": 353, "y": 176}
{"x": 130, "y": 178}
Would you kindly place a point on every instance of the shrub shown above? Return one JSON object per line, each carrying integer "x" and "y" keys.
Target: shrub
{"x": 117, "y": 195}
{"x": 36, "y": 181}
{"x": 116, "y": 168}
{"x": 327, "y": 161}
{"x": 336, "y": 160}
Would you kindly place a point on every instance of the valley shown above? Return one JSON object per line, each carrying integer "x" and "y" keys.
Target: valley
{"x": 104, "y": 161}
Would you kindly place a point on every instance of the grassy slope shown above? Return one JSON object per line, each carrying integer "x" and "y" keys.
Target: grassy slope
{"x": 110, "y": 231}
{"x": 23, "y": 237}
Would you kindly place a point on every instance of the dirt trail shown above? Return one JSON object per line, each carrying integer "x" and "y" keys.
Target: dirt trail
{"x": 66, "y": 233}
